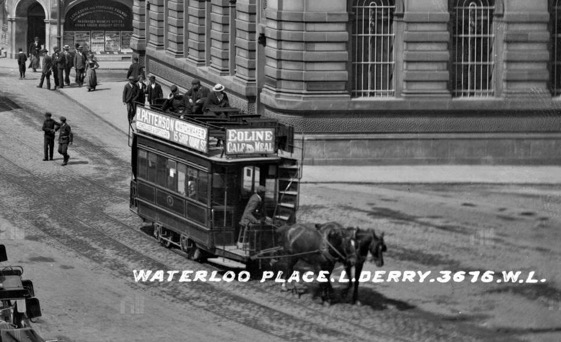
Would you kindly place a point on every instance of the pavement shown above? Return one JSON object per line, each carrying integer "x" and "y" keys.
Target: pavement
{"x": 106, "y": 103}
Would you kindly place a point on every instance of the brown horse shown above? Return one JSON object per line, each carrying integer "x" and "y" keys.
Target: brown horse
{"x": 320, "y": 247}
{"x": 367, "y": 241}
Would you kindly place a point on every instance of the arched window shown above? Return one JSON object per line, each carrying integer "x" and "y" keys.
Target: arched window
{"x": 373, "y": 59}
{"x": 555, "y": 15}
{"x": 472, "y": 48}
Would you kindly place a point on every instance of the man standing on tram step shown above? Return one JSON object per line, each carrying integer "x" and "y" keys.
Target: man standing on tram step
{"x": 50, "y": 126}
{"x": 64, "y": 139}
{"x": 254, "y": 213}
{"x": 130, "y": 95}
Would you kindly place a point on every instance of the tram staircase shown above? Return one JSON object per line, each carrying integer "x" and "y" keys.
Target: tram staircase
{"x": 290, "y": 174}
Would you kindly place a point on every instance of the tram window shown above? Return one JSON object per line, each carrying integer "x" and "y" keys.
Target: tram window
{"x": 203, "y": 187}
{"x": 171, "y": 171}
{"x": 192, "y": 180}
{"x": 151, "y": 172}
{"x": 142, "y": 164}
{"x": 181, "y": 176}
{"x": 161, "y": 175}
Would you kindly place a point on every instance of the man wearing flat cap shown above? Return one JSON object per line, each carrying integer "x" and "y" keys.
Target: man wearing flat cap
{"x": 197, "y": 96}
{"x": 254, "y": 213}
{"x": 177, "y": 103}
{"x": 130, "y": 94}
{"x": 50, "y": 126}
{"x": 64, "y": 139}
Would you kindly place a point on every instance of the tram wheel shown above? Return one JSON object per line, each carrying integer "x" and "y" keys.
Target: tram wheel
{"x": 188, "y": 246}
{"x": 165, "y": 239}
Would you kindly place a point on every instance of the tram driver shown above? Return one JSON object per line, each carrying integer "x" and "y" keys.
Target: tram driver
{"x": 254, "y": 214}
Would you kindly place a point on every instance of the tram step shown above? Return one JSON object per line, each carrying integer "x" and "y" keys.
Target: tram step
{"x": 282, "y": 217}
{"x": 287, "y": 205}
{"x": 290, "y": 193}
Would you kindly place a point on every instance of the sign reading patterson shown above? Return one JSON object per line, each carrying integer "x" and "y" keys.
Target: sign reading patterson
{"x": 250, "y": 141}
{"x": 172, "y": 129}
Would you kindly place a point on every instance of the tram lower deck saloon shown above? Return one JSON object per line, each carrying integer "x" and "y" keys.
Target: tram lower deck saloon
{"x": 196, "y": 195}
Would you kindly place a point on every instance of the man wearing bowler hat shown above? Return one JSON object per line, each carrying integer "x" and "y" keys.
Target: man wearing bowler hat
{"x": 50, "y": 126}
{"x": 64, "y": 139}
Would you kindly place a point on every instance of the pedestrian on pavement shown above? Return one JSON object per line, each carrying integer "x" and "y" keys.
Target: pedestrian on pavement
{"x": 60, "y": 67}
{"x": 65, "y": 138}
{"x": 217, "y": 99}
{"x": 22, "y": 58}
{"x": 34, "y": 52}
{"x": 135, "y": 69}
{"x": 91, "y": 74}
{"x": 69, "y": 59}
{"x": 141, "y": 92}
{"x": 197, "y": 96}
{"x": 154, "y": 91}
{"x": 55, "y": 58}
{"x": 177, "y": 103}
{"x": 80, "y": 65}
{"x": 50, "y": 126}
{"x": 46, "y": 70}
{"x": 130, "y": 95}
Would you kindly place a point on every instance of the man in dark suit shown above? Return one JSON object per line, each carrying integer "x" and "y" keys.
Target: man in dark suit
{"x": 135, "y": 69}
{"x": 154, "y": 91}
{"x": 197, "y": 96}
{"x": 22, "y": 58}
{"x": 80, "y": 65}
{"x": 141, "y": 93}
{"x": 64, "y": 139}
{"x": 177, "y": 103}
{"x": 69, "y": 63}
{"x": 254, "y": 214}
{"x": 50, "y": 126}
{"x": 130, "y": 95}
{"x": 217, "y": 98}
{"x": 55, "y": 58}
{"x": 46, "y": 71}
{"x": 60, "y": 66}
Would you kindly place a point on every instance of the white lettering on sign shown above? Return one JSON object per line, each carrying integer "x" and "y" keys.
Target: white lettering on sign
{"x": 250, "y": 141}
{"x": 172, "y": 129}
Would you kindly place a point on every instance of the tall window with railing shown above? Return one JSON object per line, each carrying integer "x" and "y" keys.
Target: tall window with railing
{"x": 373, "y": 60}
{"x": 472, "y": 48}
{"x": 555, "y": 69}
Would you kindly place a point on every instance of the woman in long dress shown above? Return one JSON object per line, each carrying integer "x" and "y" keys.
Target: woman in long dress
{"x": 91, "y": 77}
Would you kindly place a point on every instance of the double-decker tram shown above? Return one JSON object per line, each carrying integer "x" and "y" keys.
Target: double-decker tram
{"x": 192, "y": 178}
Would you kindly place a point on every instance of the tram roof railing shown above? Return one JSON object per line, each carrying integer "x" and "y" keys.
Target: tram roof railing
{"x": 241, "y": 135}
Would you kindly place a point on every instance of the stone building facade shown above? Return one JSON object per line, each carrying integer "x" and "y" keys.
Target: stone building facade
{"x": 378, "y": 81}
{"x": 101, "y": 25}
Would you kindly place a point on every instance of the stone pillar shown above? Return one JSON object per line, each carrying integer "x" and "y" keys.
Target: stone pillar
{"x": 246, "y": 40}
{"x": 426, "y": 54}
{"x": 12, "y": 52}
{"x": 138, "y": 39}
{"x": 196, "y": 29}
{"x": 175, "y": 28}
{"x": 307, "y": 53}
{"x": 526, "y": 56}
{"x": 220, "y": 36}
{"x": 156, "y": 24}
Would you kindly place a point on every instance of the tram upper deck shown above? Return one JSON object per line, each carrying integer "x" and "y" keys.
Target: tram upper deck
{"x": 232, "y": 138}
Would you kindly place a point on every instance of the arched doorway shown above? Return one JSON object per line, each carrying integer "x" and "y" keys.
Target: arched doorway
{"x": 35, "y": 23}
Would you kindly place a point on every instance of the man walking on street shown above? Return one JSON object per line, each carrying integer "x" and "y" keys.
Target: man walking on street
{"x": 130, "y": 95}
{"x": 154, "y": 91}
{"x": 80, "y": 65}
{"x": 46, "y": 71}
{"x": 34, "y": 52}
{"x": 55, "y": 58}
{"x": 22, "y": 58}
{"x": 64, "y": 139}
{"x": 50, "y": 126}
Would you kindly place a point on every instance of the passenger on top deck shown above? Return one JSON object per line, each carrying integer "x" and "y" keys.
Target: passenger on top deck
{"x": 197, "y": 96}
{"x": 177, "y": 103}
{"x": 217, "y": 98}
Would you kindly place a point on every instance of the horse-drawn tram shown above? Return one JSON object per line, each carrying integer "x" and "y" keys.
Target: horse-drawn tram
{"x": 193, "y": 176}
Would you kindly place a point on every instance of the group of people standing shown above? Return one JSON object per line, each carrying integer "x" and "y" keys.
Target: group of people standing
{"x": 60, "y": 64}
{"x": 65, "y": 138}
